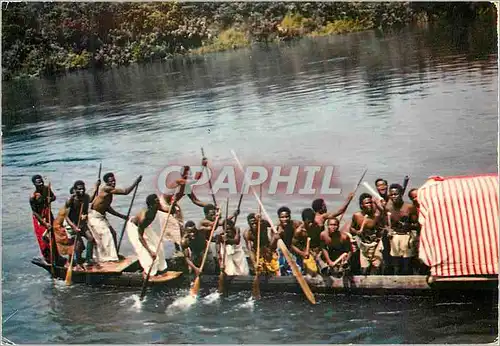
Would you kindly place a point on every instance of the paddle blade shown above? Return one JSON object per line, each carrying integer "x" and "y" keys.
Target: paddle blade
{"x": 256, "y": 288}
{"x": 220, "y": 287}
{"x": 196, "y": 287}
{"x": 69, "y": 273}
{"x": 296, "y": 272}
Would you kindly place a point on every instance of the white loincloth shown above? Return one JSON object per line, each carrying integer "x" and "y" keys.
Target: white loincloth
{"x": 104, "y": 250}
{"x": 236, "y": 261}
{"x": 152, "y": 239}
{"x": 400, "y": 245}
{"x": 174, "y": 225}
{"x": 370, "y": 253}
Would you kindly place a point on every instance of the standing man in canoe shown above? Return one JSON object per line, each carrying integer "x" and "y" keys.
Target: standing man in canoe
{"x": 102, "y": 231}
{"x": 400, "y": 233}
{"x": 235, "y": 261}
{"x": 193, "y": 243}
{"x": 335, "y": 244}
{"x": 42, "y": 218}
{"x": 369, "y": 239}
{"x": 144, "y": 240}
{"x": 322, "y": 214}
{"x": 66, "y": 224}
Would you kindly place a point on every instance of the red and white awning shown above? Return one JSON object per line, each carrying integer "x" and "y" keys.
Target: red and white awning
{"x": 459, "y": 218}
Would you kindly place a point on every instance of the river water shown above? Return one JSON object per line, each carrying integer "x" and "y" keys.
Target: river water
{"x": 422, "y": 102}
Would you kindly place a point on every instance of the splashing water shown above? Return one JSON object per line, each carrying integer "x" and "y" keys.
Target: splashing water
{"x": 249, "y": 304}
{"x": 182, "y": 303}
{"x": 211, "y": 298}
{"x": 137, "y": 303}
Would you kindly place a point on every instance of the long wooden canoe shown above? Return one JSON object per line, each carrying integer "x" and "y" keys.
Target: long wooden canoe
{"x": 126, "y": 274}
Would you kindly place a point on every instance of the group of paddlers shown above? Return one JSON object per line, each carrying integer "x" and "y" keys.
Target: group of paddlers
{"x": 381, "y": 238}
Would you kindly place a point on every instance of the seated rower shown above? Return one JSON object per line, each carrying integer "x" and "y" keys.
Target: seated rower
{"x": 268, "y": 261}
{"x": 336, "y": 248}
{"x": 235, "y": 261}
{"x": 306, "y": 254}
{"x": 102, "y": 231}
{"x": 43, "y": 218}
{"x": 206, "y": 227}
{"x": 194, "y": 243}
{"x": 285, "y": 231}
{"x": 145, "y": 241}
{"x": 365, "y": 228}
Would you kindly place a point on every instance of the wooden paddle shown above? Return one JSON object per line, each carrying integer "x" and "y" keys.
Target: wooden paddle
{"x": 355, "y": 189}
{"x": 126, "y": 220}
{"x": 196, "y": 284}
{"x": 69, "y": 273}
{"x": 160, "y": 243}
{"x": 296, "y": 272}
{"x": 256, "y": 281}
{"x": 51, "y": 235}
{"x": 209, "y": 180}
{"x": 222, "y": 274}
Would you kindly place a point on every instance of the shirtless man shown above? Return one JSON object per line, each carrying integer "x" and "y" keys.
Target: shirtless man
{"x": 370, "y": 239}
{"x": 144, "y": 240}
{"x": 206, "y": 227}
{"x": 67, "y": 228}
{"x": 102, "y": 231}
{"x": 417, "y": 266}
{"x": 400, "y": 233}
{"x": 193, "y": 243}
{"x": 285, "y": 231}
{"x": 267, "y": 263}
{"x": 333, "y": 245}
{"x": 381, "y": 185}
{"x": 235, "y": 261}
{"x": 42, "y": 218}
{"x": 183, "y": 186}
{"x": 306, "y": 258}
{"x": 322, "y": 214}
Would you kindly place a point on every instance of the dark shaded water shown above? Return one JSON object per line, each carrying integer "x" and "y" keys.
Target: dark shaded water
{"x": 419, "y": 102}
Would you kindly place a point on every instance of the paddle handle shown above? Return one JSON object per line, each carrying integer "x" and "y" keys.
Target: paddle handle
{"x": 339, "y": 259}
{"x": 308, "y": 245}
{"x": 216, "y": 222}
{"x": 209, "y": 180}
{"x": 355, "y": 190}
{"x": 238, "y": 208}
{"x": 126, "y": 220}
{"x": 389, "y": 219}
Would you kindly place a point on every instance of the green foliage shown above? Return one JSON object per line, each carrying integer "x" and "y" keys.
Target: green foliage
{"x": 45, "y": 38}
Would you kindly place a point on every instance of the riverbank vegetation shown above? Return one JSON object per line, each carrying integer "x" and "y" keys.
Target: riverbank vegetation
{"x": 49, "y": 38}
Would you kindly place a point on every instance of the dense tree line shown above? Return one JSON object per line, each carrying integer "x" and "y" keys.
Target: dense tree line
{"x": 47, "y": 38}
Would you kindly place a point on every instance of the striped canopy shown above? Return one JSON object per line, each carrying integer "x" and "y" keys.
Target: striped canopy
{"x": 459, "y": 219}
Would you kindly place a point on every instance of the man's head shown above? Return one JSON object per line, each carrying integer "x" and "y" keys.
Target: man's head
{"x": 395, "y": 193}
{"x": 109, "y": 179}
{"x": 319, "y": 206}
{"x": 190, "y": 229}
{"x": 152, "y": 201}
{"x": 413, "y": 196}
{"x": 308, "y": 217}
{"x": 79, "y": 188}
{"x": 252, "y": 221}
{"x": 209, "y": 211}
{"x": 229, "y": 224}
{"x": 185, "y": 172}
{"x": 284, "y": 215}
{"x": 365, "y": 202}
{"x": 37, "y": 180}
{"x": 381, "y": 185}
{"x": 333, "y": 225}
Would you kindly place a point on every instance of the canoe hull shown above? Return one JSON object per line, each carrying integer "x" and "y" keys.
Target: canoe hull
{"x": 417, "y": 285}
